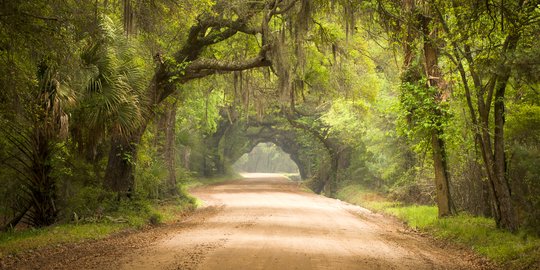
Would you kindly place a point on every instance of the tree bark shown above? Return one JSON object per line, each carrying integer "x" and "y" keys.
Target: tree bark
{"x": 213, "y": 158}
{"x": 286, "y": 141}
{"x": 494, "y": 155}
{"x": 340, "y": 156}
{"x": 165, "y": 143}
{"x": 508, "y": 217}
{"x": 433, "y": 73}
{"x": 119, "y": 175}
{"x": 186, "y": 157}
{"x": 120, "y": 171}
{"x": 170, "y": 148}
{"x": 444, "y": 202}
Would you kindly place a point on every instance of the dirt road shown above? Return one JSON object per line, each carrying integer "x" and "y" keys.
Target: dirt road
{"x": 268, "y": 222}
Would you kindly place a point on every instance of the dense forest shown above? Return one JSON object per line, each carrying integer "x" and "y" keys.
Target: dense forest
{"x": 114, "y": 102}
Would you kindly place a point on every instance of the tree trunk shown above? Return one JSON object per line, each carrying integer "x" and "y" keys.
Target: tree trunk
{"x": 220, "y": 164}
{"x": 42, "y": 190}
{"x": 444, "y": 203}
{"x": 340, "y": 156}
{"x": 507, "y": 217}
{"x": 186, "y": 157}
{"x": 329, "y": 183}
{"x": 302, "y": 168}
{"x": 286, "y": 141}
{"x": 494, "y": 156}
{"x": 119, "y": 175}
{"x": 213, "y": 160}
{"x": 170, "y": 148}
{"x": 120, "y": 171}
{"x": 433, "y": 73}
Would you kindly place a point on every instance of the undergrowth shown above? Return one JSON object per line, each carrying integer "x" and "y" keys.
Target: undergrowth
{"x": 94, "y": 214}
{"x": 13, "y": 242}
{"x": 200, "y": 181}
{"x": 513, "y": 251}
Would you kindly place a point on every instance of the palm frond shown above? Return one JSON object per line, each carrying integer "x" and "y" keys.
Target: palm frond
{"x": 112, "y": 101}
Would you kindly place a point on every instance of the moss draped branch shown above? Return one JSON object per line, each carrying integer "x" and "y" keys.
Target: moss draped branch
{"x": 204, "y": 64}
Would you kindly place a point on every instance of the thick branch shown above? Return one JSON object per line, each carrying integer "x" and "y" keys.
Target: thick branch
{"x": 284, "y": 8}
{"x": 219, "y": 65}
{"x": 239, "y": 25}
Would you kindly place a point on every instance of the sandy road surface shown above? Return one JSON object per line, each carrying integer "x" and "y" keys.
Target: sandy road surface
{"x": 267, "y": 222}
{"x": 261, "y": 222}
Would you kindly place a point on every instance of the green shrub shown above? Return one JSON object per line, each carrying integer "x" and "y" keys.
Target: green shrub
{"x": 416, "y": 216}
{"x": 89, "y": 203}
{"x": 155, "y": 219}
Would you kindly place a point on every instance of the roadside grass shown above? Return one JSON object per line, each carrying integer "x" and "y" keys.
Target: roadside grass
{"x": 292, "y": 176}
{"x": 18, "y": 241}
{"x": 129, "y": 216}
{"x": 203, "y": 181}
{"x": 125, "y": 215}
{"x": 513, "y": 251}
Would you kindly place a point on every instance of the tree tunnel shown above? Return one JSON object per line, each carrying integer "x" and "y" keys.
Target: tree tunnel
{"x": 319, "y": 159}
{"x": 267, "y": 158}
{"x": 233, "y": 140}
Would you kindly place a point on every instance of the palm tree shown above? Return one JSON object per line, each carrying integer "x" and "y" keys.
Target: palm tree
{"x": 35, "y": 137}
{"x": 112, "y": 102}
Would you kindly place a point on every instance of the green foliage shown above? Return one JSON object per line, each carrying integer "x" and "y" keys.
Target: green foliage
{"x": 117, "y": 76}
{"x": 150, "y": 176}
{"x": 523, "y": 131}
{"x": 359, "y": 195}
{"x": 524, "y": 173}
{"x": 421, "y": 113}
{"x": 345, "y": 119}
{"x": 417, "y": 217}
{"x": 483, "y": 236}
{"x": 176, "y": 68}
{"x": 137, "y": 213}
{"x": 89, "y": 203}
{"x": 150, "y": 173}
{"x": 524, "y": 124}
{"x": 200, "y": 111}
